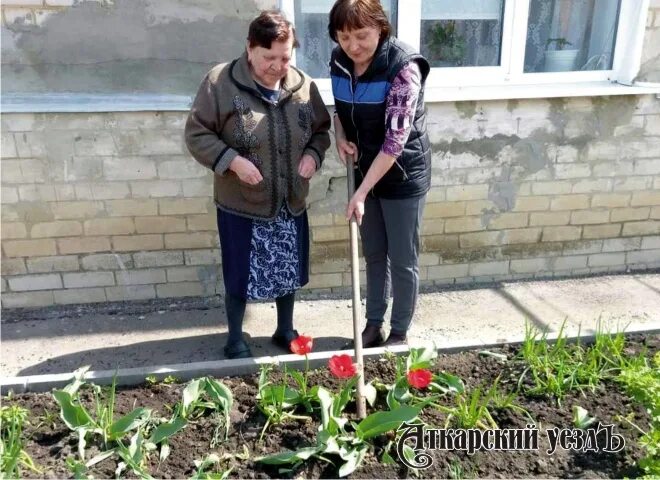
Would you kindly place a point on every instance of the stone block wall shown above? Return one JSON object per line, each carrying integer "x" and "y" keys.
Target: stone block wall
{"x": 110, "y": 206}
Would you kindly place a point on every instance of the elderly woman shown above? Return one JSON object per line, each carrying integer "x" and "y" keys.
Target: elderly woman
{"x": 380, "y": 121}
{"x": 261, "y": 126}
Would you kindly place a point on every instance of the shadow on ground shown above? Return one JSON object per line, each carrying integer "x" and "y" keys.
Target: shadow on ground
{"x": 202, "y": 348}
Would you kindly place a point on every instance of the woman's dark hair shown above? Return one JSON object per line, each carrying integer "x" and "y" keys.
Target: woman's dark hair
{"x": 270, "y": 26}
{"x": 356, "y": 14}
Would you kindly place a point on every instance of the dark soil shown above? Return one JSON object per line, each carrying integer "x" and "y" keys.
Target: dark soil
{"x": 49, "y": 442}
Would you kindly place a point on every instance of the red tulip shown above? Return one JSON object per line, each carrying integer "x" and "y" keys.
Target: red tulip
{"x": 420, "y": 378}
{"x": 342, "y": 366}
{"x": 301, "y": 345}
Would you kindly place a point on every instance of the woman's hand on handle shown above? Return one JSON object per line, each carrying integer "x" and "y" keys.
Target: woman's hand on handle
{"x": 356, "y": 206}
{"x": 346, "y": 149}
{"x": 246, "y": 170}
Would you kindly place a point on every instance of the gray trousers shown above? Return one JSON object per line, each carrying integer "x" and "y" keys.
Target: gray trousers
{"x": 390, "y": 245}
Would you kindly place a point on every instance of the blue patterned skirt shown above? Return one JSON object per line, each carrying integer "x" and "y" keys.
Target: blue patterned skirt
{"x": 264, "y": 259}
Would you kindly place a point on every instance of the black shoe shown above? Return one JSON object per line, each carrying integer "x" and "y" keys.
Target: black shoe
{"x": 372, "y": 336}
{"x": 238, "y": 349}
{"x": 284, "y": 339}
{"x": 396, "y": 338}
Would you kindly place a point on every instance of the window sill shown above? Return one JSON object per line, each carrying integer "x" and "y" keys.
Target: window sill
{"x": 98, "y": 103}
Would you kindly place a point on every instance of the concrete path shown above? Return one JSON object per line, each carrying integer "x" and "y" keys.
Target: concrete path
{"x": 143, "y": 334}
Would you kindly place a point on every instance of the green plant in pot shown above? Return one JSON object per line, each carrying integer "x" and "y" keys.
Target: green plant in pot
{"x": 559, "y": 58}
{"x": 447, "y": 46}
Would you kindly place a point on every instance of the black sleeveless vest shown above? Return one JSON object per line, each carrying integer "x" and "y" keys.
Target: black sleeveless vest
{"x": 360, "y": 104}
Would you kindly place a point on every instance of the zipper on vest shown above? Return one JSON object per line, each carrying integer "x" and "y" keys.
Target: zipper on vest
{"x": 357, "y": 132}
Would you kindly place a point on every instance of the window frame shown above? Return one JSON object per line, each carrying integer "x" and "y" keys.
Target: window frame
{"x": 508, "y": 80}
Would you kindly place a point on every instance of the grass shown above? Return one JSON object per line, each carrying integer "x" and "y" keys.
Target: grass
{"x": 14, "y": 457}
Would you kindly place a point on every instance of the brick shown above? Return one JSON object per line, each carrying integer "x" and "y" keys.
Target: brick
{"x": 567, "y": 154}
{"x": 157, "y": 259}
{"x": 651, "y": 198}
{"x": 26, "y": 170}
{"x": 188, "y": 240}
{"x": 627, "y": 214}
{"x": 56, "y": 229}
{"x": 203, "y": 223}
{"x": 606, "y": 259}
{"x": 84, "y": 169}
{"x": 29, "y": 248}
{"x": 479, "y": 207}
{"x": 602, "y": 231}
{"x": 11, "y": 230}
{"x": 37, "y": 193}
{"x": 628, "y": 184}
{"x": 531, "y": 265}
{"x": 610, "y": 200}
{"x": 53, "y": 264}
{"x": 483, "y": 175}
{"x": 445, "y": 209}
{"x": 156, "y": 189}
{"x": 131, "y": 208}
{"x": 488, "y": 268}
{"x": 582, "y": 247}
{"x": 508, "y": 220}
{"x": 330, "y": 234}
{"x": 9, "y": 195}
{"x": 560, "y": 234}
{"x": 621, "y": 244}
{"x": 648, "y": 147}
{"x": 141, "y": 277}
{"x": 83, "y": 245}
{"x": 74, "y": 210}
{"x": 160, "y": 224}
{"x": 24, "y": 300}
{"x": 203, "y": 257}
{"x": 584, "y": 217}
{"x": 80, "y": 295}
{"x": 650, "y": 227}
{"x": 129, "y": 168}
{"x": 428, "y": 259}
{"x": 316, "y": 219}
{"x": 467, "y": 192}
{"x": 64, "y": 192}
{"x": 18, "y": 122}
{"x": 647, "y": 167}
{"x": 578, "y": 170}
{"x": 95, "y": 144}
{"x": 436, "y": 194}
{"x": 603, "y": 151}
{"x": 529, "y": 204}
{"x": 83, "y": 280}
{"x": 472, "y": 240}
{"x": 8, "y": 146}
{"x": 184, "y": 206}
{"x": 613, "y": 169}
{"x": 439, "y": 243}
{"x": 197, "y": 187}
{"x": 130, "y": 292}
{"x": 655, "y": 213}
{"x": 653, "y": 121}
{"x": 134, "y": 243}
{"x": 107, "y": 261}
{"x": 325, "y": 280}
{"x": 35, "y": 282}
{"x": 572, "y": 262}
{"x": 521, "y": 235}
{"x": 183, "y": 289}
{"x": 13, "y": 266}
{"x": 650, "y": 243}
{"x": 103, "y": 191}
{"x": 448, "y": 271}
{"x": 191, "y": 274}
{"x": 109, "y": 226}
{"x": 549, "y": 218}
{"x": 181, "y": 167}
{"x": 592, "y": 186}
{"x": 649, "y": 257}
{"x": 570, "y": 202}
{"x": 465, "y": 224}
{"x": 433, "y": 226}
{"x": 149, "y": 142}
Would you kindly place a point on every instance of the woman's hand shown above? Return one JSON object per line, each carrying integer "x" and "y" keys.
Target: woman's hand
{"x": 307, "y": 166}
{"x": 356, "y": 206}
{"x": 246, "y": 170}
{"x": 346, "y": 149}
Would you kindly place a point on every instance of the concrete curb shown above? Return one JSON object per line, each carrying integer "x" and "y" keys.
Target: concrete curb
{"x": 246, "y": 366}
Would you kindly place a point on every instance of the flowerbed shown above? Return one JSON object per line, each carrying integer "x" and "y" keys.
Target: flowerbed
{"x": 302, "y": 424}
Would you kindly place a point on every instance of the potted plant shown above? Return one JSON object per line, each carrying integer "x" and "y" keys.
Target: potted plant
{"x": 560, "y": 59}
{"x": 447, "y": 47}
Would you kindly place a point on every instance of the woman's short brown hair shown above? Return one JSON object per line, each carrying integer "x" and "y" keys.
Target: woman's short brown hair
{"x": 356, "y": 14}
{"x": 270, "y": 26}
